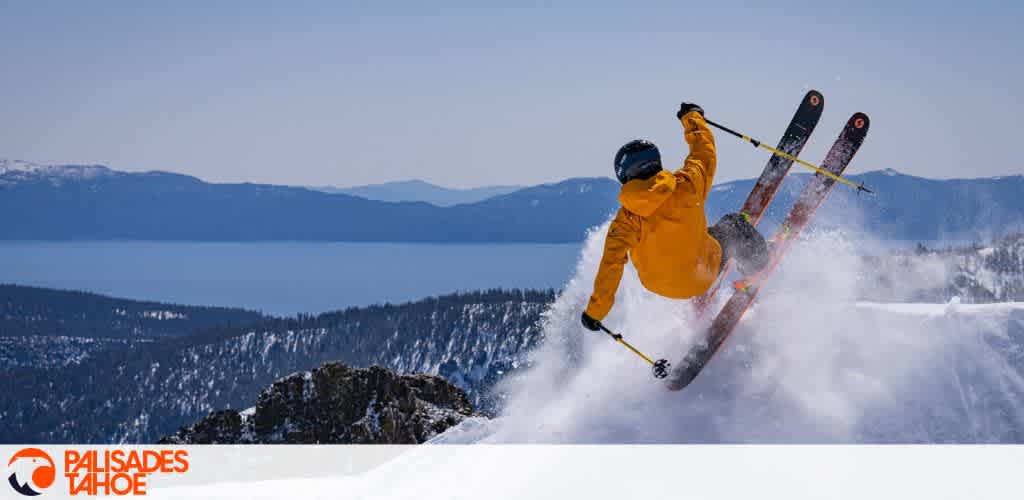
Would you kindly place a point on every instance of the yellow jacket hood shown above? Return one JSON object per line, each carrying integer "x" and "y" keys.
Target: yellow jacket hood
{"x": 644, "y": 196}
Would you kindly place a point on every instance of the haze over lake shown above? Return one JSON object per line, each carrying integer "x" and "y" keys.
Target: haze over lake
{"x": 283, "y": 278}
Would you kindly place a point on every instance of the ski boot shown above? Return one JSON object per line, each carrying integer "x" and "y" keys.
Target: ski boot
{"x": 741, "y": 242}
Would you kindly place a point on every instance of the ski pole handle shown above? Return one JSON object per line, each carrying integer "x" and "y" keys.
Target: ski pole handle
{"x": 606, "y": 330}
{"x": 728, "y": 130}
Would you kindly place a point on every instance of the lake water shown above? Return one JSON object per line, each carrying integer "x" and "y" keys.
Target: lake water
{"x": 283, "y": 278}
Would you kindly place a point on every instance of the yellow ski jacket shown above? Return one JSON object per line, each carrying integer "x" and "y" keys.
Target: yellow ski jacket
{"x": 661, "y": 226}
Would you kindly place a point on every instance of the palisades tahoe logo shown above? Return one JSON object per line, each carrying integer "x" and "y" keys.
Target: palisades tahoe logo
{"x": 93, "y": 472}
{"x": 32, "y": 471}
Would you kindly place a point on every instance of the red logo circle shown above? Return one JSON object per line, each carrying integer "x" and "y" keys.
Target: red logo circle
{"x": 32, "y": 470}
{"x": 815, "y": 100}
{"x": 859, "y": 123}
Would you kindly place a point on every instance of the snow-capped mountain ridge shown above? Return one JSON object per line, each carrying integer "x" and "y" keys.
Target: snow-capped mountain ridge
{"x": 19, "y": 170}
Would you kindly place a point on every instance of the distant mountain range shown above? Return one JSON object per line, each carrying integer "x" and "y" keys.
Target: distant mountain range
{"x": 97, "y": 203}
{"x": 417, "y": 190}
{"x": 76, "y": 202}
{"x": 904, "y": 207}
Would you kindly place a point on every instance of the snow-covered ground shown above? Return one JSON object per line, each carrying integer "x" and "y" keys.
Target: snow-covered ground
{"x": 954, "y": 308}
{"x": 560, "y": 472}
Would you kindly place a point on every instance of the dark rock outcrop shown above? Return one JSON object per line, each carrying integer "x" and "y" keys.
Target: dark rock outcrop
{"x": 338, "y": 404}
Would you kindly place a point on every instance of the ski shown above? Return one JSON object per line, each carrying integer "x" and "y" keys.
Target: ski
{"x": 813, "y": 195}
{"x": 792, "y": 142}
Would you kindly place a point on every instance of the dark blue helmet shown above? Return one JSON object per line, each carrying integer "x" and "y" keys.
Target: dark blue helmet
{"x": 638, "y": 159}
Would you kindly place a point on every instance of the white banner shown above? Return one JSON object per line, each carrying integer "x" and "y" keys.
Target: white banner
{"x": 515, "y": 472}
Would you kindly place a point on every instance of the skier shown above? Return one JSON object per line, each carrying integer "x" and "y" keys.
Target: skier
{"x": 661, "y": 225}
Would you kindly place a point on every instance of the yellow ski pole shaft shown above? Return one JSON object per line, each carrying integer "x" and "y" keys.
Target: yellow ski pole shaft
{"x": 660, "y": 366}
{"x": 619, "y": 339}
{"x": 759, "y": 144}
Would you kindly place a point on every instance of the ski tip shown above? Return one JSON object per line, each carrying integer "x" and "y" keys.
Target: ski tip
{"x": 860, "y": 121}
{"x": 814, "y": 98}
{"x": 683, "y": 375}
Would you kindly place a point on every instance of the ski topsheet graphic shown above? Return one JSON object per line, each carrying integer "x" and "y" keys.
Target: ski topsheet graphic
{"x": 842, "y": 152}
{"x": 792, "y": 142}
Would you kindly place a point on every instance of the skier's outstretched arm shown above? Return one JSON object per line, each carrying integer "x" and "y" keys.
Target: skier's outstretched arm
{"x": 698, "y": 171}
{"x": 623, "y": 234}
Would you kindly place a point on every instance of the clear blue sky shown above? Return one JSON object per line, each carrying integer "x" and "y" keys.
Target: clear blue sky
{"x": 466, "y": 94}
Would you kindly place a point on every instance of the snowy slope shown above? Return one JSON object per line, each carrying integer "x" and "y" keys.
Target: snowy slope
{"x": 811, "y": 363}
{"x": 620, "y": 472}
{"x": 976, "y": 273}
{"x": 975, "y": 406}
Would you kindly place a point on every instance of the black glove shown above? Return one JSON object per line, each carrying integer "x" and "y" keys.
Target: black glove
{"x": 686, "y": 107}
{"x": 590, "y": 323}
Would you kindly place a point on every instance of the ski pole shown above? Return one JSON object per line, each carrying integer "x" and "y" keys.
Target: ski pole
{"x": 660, "y": 366}
{"x": 758, "y": 144}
